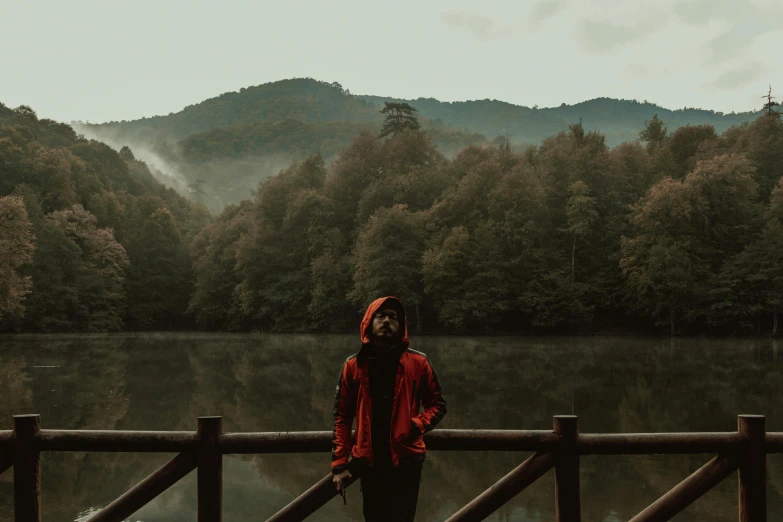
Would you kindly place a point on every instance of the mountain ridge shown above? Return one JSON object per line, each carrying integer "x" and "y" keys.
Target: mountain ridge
{"x": 310, "y": 100}
{"x": 233, "y": 141}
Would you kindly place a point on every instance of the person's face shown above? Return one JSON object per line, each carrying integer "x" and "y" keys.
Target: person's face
{"x": 385, "y": 324}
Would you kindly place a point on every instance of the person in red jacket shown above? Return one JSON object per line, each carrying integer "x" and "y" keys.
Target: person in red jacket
{"x": 384, "y": 386}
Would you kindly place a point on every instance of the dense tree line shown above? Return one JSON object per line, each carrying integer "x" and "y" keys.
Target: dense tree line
{"x": 675, "y": 230}
{"x": 89, "y": 241}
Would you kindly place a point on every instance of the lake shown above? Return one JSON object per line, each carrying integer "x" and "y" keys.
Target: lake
{"x": 286, "y": 383}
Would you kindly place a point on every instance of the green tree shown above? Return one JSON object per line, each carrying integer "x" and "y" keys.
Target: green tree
{"x": 159, "y": 274}
{"x": 357, "y": 167}
{"x": 581, "y": 215}
{"x": 751, "y": 283}
{"x": 399, "y": 117}
{"x": 682, "y": 233}
{"x": 654, "y": 133}
{"x": 127, "y": 154}
{"x": 16, "y": 252}
{"x": 78, "y": 275}
{"x": 685, "y": 143}
{"x": 388, "y": 256}
{"x": 762, "y": 143}
{"x": 274, "y": 257}
{"x": 468, "y": 278}
{"x": 331, "y": 282}
{"x": 213, "y": 301}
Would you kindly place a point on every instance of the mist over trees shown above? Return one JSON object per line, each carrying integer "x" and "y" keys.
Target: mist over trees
{"x": 674, "y": 232}
{"x": 89, "y": 240}
{"x": 226, "y": 145}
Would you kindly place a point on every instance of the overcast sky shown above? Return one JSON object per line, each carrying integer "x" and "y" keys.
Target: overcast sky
{"x": 106, "y": 60}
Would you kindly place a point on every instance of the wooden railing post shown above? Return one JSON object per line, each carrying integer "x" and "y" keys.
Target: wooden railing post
{"x": 210, "y": 470}
{"x": 27, "y": 469}
{"x": 567, "y": 502}
{"x": 752, "y": 469}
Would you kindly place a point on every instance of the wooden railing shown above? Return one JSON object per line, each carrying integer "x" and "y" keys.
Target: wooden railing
{"x": 744, "y": 451}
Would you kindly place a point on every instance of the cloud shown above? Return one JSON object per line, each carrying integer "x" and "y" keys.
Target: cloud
{"x": 739, "y": 76}
{"x": 546, "y": 9}
{"x": 603, "y": 35}
{"x": 479, "y": 27}
{"x": 744, "y": 22}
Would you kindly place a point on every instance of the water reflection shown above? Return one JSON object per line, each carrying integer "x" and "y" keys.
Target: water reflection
{"x": 286, "y": 382}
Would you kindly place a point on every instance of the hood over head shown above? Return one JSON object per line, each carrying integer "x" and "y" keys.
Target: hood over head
{"x": 374, "y": 307}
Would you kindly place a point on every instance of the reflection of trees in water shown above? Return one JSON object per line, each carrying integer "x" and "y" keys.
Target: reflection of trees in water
{"x": 286, "y": 382}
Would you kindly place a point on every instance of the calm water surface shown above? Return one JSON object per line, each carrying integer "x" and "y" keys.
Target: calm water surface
{"x": 286, "y": 382}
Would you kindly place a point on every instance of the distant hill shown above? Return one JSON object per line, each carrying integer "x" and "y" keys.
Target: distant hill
{"x": 304, "y": 100}
{"x": 307, "y": 100}
{"x": 228, "y": 144}
{"x": 618, "y": 120}
{"x": 298, "y": 139}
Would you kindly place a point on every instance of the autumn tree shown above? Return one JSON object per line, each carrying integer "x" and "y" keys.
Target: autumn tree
{"x": 16, "y": 251}
{"x": 399, "y": 117}
{"x": 659, "y": 261}
{"x": 682, "y": 232}
{"x": 684, "y": 143}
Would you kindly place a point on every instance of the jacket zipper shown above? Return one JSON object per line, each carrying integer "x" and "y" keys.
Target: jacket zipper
{"x": 365, "y": 388}
{"x": 397, "y": 389}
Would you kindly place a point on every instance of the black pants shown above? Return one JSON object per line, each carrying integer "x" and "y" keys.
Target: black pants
{"x": 391, "y": 494}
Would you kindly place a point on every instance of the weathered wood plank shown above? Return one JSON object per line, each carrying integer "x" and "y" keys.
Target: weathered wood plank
{"x": 146, "y": 490}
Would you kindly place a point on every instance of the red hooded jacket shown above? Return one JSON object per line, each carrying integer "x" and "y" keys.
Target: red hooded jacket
{"x": 416, "y": 385}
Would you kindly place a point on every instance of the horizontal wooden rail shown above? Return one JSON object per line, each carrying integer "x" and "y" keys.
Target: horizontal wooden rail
{"x": 146, "y": 490}
{"x": 6, "y": 439}
{"x": 492, "y": 440}
{"x": 125, "y": 441}
{"x": 438, "y": 440}
{"x": 276, "y": 442}
{"x": 744, "y": 450}
{"x": 774, "y": 443}
{"x": 657, "y": 443}
{"x": 689, "y": 490}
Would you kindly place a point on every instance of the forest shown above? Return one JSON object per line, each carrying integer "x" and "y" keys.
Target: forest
{"x": 674, "y": 232}
{"x": 89, "y": 240}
